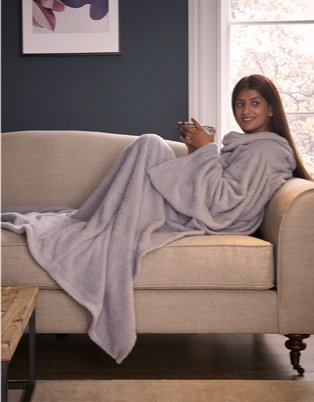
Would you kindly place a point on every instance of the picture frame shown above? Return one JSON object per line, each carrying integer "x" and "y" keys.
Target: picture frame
{"x": 70, "y": 27}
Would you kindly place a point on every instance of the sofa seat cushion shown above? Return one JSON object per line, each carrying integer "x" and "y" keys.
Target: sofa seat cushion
{"x": 223, "y": 262}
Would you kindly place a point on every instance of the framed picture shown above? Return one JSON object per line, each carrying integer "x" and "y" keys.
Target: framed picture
{"x": 70, "y": 26}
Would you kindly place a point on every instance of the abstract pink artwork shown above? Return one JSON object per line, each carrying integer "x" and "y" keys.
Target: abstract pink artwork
{"x": 70, "y": 26}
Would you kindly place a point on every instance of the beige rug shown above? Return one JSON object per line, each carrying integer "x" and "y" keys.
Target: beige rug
{"x": 171, "y": 391}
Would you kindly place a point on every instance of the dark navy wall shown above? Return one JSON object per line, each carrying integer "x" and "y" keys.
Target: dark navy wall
{"x": 145, "y": 89}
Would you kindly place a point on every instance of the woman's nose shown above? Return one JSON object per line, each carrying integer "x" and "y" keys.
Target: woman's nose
{"x": 246, "y": 108}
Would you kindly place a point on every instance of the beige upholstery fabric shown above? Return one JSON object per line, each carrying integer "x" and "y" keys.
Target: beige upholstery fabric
{"x": 223, "y": 262}
{"x": 168, "y": 311}
{"x": 289, "y": 224}
{"x": 210, "y": 262}
{"x": 58, "y": 167}
{"x": 206, "y": 311}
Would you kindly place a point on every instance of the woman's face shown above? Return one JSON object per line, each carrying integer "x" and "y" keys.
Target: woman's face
{"x": 252, "y": 112}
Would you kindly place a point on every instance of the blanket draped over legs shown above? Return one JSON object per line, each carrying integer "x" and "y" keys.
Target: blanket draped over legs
{"x": 94, "y": 253}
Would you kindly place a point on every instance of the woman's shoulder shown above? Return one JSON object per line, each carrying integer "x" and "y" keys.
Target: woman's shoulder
{"x": 263, "y": 145}
{"x": 261, "y": 139}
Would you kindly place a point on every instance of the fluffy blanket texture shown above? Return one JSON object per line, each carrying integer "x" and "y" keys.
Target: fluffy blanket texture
{"x": 148, "y": 199}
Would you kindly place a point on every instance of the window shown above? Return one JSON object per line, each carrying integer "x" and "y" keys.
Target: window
{"x": 270, "y": 38}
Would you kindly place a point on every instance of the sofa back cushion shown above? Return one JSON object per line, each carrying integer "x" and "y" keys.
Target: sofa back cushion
{"x": 58, "y": 167}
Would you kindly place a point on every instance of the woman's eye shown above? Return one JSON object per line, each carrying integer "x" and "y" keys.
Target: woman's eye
{"x": 255, "y": 103}
{"x": 239, "y": 104}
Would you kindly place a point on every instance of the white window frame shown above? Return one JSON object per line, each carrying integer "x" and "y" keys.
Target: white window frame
{"x": 209, "y": 88}
{"x": 209, "y": 95}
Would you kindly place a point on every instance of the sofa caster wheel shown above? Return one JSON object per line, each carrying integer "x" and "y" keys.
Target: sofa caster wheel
{"x": 295, "y": 344}
{"x": 299, "y": 369}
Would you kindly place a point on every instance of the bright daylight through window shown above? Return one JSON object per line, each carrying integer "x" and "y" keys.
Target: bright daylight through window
{"x": 275, "y": 38}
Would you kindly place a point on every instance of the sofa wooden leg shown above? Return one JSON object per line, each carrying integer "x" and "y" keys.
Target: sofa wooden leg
{"x": 295, "y": 344}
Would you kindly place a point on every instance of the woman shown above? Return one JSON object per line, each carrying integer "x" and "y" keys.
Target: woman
{"x": 150, "y": 198}
{"x": 257, "y": 107}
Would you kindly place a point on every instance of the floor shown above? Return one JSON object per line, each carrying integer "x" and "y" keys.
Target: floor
{"x": 228, "y": 356}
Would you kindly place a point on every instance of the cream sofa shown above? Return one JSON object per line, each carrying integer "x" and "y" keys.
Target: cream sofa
{"x": 202, "y": 284}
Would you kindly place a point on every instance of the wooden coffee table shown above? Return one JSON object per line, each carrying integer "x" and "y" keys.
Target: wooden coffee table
{"x": 18, "y": 304}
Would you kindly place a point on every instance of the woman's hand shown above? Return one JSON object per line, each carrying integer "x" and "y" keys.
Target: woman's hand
{"x": 196, "y": 137}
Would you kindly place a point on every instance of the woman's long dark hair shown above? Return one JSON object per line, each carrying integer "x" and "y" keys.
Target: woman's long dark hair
{"x": 278, "y": 122}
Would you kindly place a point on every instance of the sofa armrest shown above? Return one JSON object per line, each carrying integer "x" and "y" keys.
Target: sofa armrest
{"x": 289, "y": 225}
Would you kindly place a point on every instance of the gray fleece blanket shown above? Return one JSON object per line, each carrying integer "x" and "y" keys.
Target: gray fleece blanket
{"x": 148, "y": 199}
